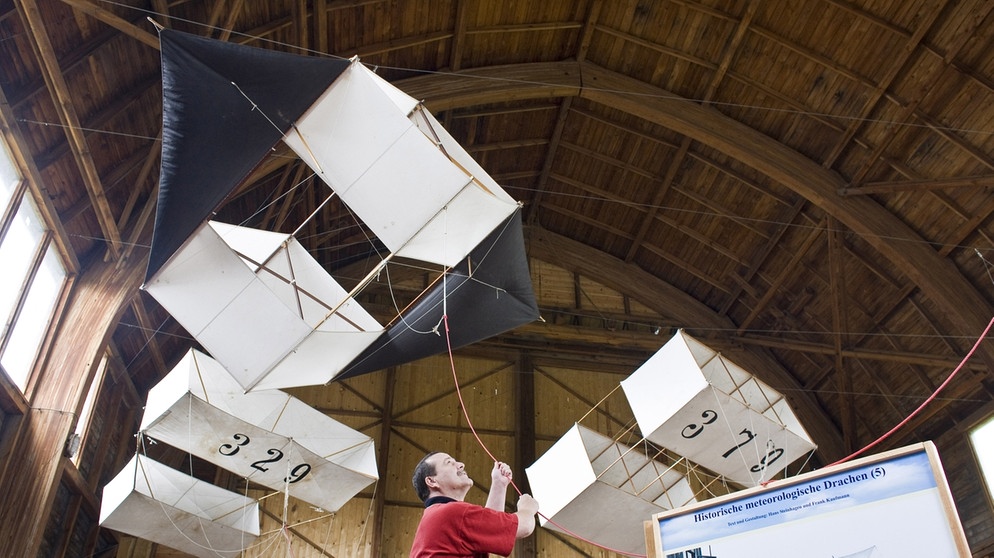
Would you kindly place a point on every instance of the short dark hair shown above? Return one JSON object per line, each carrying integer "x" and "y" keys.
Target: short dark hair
{"x": 424, "y": 469}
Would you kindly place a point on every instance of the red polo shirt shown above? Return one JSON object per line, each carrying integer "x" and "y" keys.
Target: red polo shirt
{"x": 453, "y": 529}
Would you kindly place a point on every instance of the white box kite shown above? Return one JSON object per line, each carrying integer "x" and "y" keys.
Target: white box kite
{"x": 691, "y": 400}
{"x": 591, "y": 486}
{"x": 265, "y": 436}
{"x": 153, "y": 502}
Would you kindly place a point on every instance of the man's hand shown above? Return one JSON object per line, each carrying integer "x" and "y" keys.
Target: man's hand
{"x": 501, "y": 475}
{"x": 527, "y": 508}
{"x": 527, "y": 504}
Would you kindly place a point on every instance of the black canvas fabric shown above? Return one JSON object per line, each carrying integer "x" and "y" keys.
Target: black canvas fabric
{"x": 497, "y": 298}
{"x": 224, "y": 106}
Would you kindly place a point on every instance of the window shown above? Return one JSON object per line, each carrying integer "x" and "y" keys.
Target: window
{"x": 32, "y": 278}
{"x": 982, "y": 439}
{"x": 86, "y": 413}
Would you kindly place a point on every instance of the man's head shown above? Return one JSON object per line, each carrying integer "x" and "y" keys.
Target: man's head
{"x": 439, "y": 474}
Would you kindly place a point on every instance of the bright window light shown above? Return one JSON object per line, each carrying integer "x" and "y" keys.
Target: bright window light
{"x": 29, "y": 298}
{"x": 16, "y": 252}
{"x": 982, "y": 438}
{"x": 9, "y": 177}
{"x": 32, "y": 323}
{"x": 86, "y": 413}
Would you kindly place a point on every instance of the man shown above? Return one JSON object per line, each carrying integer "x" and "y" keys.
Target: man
{"x": 451, "y": 528}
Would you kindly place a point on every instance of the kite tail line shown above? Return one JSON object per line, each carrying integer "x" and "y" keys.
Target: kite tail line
{"x": 935, "y": 393}
{"x": 469, "y": 422}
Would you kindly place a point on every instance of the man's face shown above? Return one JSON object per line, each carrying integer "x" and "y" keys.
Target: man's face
{"x": 450, "y": 476}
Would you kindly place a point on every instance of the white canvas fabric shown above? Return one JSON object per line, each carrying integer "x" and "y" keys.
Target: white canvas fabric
{"x": 592, "y": 486}
{"x": 266, "y": 436}
{"x": 151, "y": 501}
{"x": 263, "y": 307}
{"x": 691, "y": 400}
{"x": 394, "y": 165}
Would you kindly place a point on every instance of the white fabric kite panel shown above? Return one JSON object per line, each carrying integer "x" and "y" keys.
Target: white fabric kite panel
{"x": 410, "y": 184}
{"x": 255, "y": 244}
{"x": 352, "y": 129}
{"x": 253, "y": 334}
{"x": 678, "y": 494}
{"x": 634, "y": 472}
{"x": 782, "y": 413}
{"x": 259, "y": 324}
{"x": 347, "y": 129}
{"x": 655, "y": 403}
{"x": 266, "y": 436}
{"x": 433, "y": 129}
{"x": 476, "y": 210}
{"x": 738, "y": 434}
{"x": 593, "y": 487}
{"x": 223, "y": 304}
{"x": 151, "y": 501}
{"x": 307, "y": 426}
{"x": 297, "y": 279}
{"x": 359, "y": 137}
{"x": 606, "y": 516}
{"x": 318, "y": 359}
{"x": 200, "y": 280}
{"x": 749, "y": 390}
{"x": 458, "y": 227}
{"x": 404, "y": 102}
{"x": 561, "y": 473}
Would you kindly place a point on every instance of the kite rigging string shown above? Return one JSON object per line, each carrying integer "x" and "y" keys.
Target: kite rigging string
{"x": 314, "y": 52}
{"x": 469, "y": 422}
{"x": 141, "y": 449}
{"x": 285, "y": 529}
{"x": 935, "y": 393}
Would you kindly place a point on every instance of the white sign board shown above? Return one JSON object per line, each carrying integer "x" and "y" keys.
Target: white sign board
{"x": 893, "y": 504}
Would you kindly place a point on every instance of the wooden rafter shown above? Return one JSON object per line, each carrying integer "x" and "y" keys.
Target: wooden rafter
{"x": 910, "y": 106}
{"x": 878, "y": 90}
{"x": 840, "y": 337}
{"x": 74, "y": 130}
{"x": 919, "y": 359}
{"x": 17, "y": 147}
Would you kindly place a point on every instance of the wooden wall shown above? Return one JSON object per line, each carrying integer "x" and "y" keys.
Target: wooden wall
{"x": 520, "y": 401}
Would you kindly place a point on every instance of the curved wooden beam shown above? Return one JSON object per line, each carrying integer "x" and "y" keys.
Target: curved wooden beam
{"x": 654, "y": 292}
{"x": 98, "y": 299}
{"x": 964, "y": 310}
{"x": 669, "y": 301}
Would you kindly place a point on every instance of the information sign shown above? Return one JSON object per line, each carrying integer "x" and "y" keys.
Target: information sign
{"x": 894, "y": 504}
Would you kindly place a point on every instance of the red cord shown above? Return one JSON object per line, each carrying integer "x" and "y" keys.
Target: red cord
{"x": 924, "y": 403}
{"x": 469, "y": 422}
{"x": 462, "y": 405}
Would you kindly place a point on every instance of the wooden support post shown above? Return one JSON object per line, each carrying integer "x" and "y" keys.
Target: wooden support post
{"x": 383, "y": 462}
{"x": 524, "y": 435}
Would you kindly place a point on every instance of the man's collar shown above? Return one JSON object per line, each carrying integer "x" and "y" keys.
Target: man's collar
{"x": 438, "y": 500}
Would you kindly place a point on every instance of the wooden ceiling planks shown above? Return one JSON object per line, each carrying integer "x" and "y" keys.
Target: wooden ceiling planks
{"x": 867, "y": 123}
